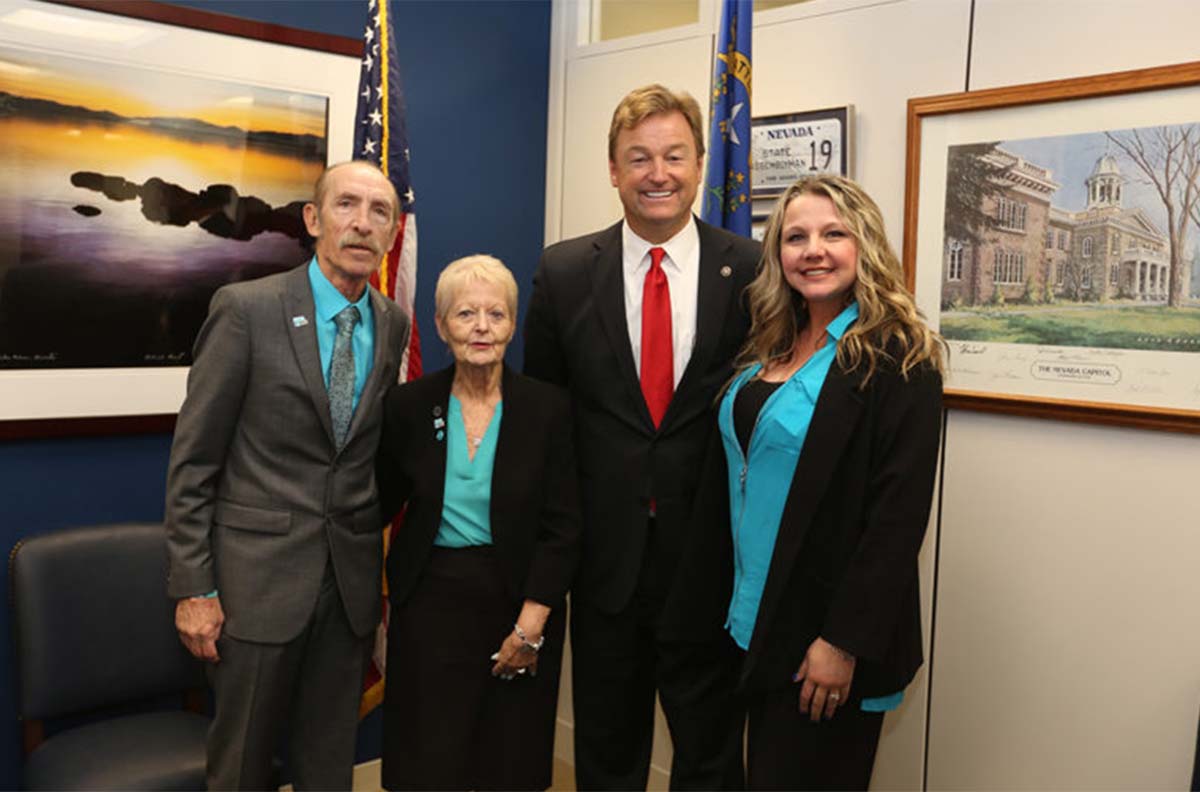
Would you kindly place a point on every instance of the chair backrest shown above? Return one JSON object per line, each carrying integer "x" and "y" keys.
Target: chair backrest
{"x": 93, "y": 626}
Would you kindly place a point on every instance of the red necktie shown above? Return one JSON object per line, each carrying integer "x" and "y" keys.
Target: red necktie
{"x": 658, "y": 377}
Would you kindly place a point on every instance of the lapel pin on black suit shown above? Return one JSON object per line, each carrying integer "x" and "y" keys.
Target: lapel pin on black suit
{"x": 726, "y": 271}
{"x": 439, "y": 423}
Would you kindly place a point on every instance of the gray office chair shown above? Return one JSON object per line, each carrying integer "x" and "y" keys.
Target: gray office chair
{"x": 95, "y": 634}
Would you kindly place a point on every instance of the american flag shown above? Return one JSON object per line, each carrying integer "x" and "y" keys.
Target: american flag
{"x": 381, "y": 137}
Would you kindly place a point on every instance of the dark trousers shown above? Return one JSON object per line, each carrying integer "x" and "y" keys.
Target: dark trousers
{"x": 448, "y": 724}
{"x": 618, "y": 662}
{"x": 786, "y": 750}
{"x": 309, "y": 688}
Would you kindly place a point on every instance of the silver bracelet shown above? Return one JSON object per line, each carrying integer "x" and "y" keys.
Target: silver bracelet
{"x": 526, "y": 644}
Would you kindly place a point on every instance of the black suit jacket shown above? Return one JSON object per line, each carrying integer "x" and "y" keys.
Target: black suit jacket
{"x": 534, "y": 501}
{"x": 845, "y": 561}
{"x": 576, "y": 336}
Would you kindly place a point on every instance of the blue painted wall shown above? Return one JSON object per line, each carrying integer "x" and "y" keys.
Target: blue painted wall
{"x": 476, "y": 77}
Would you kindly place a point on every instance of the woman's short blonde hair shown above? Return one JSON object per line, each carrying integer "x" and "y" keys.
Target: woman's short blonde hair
{"x": 479, "y": 267}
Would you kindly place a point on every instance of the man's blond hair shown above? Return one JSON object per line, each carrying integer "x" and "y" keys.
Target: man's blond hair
{"x": 641, "y": 103}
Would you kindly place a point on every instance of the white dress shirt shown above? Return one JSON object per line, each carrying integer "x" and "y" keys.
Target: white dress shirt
{"x": 681, "y": 264}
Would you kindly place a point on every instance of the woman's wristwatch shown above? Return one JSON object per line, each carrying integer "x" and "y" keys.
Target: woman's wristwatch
{"x": 527, "y": 645}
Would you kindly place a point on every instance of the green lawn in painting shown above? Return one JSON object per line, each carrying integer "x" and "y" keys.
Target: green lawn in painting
{"x": 1154, "y": 328}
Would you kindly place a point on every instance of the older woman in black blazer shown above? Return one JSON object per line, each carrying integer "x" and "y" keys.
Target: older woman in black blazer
{"x": 482, "y": 458}
{"x": 824, "y": 471}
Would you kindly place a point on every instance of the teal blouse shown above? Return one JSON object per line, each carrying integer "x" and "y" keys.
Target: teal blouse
{"x": 759, "y": 481}
{"x": 466, "y": 504}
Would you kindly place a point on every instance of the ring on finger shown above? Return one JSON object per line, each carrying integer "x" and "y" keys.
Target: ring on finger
{"x": 835, "y": 697}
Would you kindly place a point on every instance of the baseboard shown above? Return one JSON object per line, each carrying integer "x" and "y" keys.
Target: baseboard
{"x": 367, "y": 776}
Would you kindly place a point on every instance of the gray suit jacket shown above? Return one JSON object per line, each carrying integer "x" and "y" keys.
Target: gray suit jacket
{"x": 258, "y": 495}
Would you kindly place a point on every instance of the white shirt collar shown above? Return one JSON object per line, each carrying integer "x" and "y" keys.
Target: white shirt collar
{"x": 680, "y": 249}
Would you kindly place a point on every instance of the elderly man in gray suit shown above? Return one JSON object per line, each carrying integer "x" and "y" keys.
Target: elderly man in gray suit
{"x": 273, "y": 524}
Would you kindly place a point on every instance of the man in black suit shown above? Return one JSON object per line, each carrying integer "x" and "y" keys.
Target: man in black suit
{"x": 641, "y": 322}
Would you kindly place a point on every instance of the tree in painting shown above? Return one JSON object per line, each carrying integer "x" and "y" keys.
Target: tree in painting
{"x": 1169, "y": 158}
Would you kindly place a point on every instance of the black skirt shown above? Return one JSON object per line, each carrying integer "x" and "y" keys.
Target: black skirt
{"x": 447, "y": 722}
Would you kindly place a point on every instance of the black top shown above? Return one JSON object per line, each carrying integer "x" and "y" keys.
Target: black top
{"x": 747, "y": 405}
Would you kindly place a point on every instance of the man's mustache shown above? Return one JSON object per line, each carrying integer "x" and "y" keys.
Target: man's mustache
{"x": 351, "y": 238}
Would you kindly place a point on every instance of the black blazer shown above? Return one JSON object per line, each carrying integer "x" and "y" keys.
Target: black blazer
{"x": 576, "y": 336}
{"x": 535, "y": 502}
{"x": 845, "y": 561}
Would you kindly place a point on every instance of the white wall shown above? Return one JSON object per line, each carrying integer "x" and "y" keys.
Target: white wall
{"x": 1067, "y": 650}
{"x": 1066, "y": 636}
{"x": 1067, "y": 644}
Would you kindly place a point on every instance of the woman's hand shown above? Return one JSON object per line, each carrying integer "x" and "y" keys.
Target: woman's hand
{"x": 514, "y": 659}
{"x": 517, "y": 656}
{"x": 825, "y": 677}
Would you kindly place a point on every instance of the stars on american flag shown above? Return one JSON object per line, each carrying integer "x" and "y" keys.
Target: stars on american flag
{"x": 375, "y": 131}
{"x": 370, "y": 105}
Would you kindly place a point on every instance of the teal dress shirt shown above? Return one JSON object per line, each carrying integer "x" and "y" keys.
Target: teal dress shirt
{"x": 467, "y": 498}
{"x": 328, "y": 303}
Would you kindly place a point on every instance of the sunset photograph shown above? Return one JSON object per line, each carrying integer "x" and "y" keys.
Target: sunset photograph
{"x": 129, "y": 195}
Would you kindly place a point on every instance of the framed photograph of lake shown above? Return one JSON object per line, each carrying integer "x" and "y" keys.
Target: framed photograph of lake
{"x": 142, "y": 166}
{"x": 1052, "y": 235}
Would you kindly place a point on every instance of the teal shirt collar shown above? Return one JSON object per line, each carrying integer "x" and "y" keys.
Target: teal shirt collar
{"x": 837, "y": 328}
{"x": 327, "y": 300}
{"x": 812, "y": 378}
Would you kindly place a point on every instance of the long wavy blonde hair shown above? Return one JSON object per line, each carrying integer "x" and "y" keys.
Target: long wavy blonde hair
{"x": 888, "y": 320}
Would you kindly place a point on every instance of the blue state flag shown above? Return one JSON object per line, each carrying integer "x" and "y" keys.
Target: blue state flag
{"x": 727, "y": 180}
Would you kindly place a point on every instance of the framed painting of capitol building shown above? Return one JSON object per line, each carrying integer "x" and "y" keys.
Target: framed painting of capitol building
{"x": 1052, "y": 235}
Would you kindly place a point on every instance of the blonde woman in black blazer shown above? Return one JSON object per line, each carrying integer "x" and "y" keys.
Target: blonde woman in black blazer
{"x": 821, "y": 478}
{"x": 478, "y": 573}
